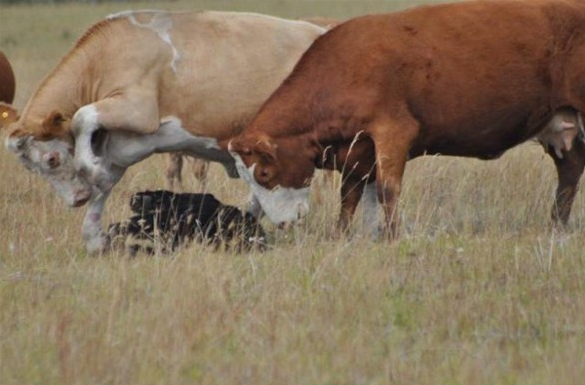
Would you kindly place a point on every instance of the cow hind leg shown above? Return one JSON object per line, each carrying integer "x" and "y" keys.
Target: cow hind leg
{"x": 569, "y": 170}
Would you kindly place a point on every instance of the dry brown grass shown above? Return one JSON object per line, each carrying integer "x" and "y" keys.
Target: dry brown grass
{"x": 479, "y": 290}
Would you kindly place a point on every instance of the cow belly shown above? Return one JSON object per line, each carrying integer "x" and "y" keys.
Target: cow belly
{"x": 479, "y": 142}
{"x": 125, "y": 149}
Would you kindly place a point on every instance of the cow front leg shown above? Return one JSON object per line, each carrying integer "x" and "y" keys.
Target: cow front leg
{"x": 85, "y": 123}
{"x": 134, "y": 112}
{"x": 96, "y": 241}
{"x": 392, "y": 139}
{"x": 569, "y": 170}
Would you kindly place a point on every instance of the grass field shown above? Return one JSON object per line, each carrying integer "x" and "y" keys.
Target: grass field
{"x": 479, "y": 289}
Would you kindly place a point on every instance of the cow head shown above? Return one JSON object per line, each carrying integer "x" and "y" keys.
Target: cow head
{"x": 51, "y": 157}
{"x": 278, "y": 172}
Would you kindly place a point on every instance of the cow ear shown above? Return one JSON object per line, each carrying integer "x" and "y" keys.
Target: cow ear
{"x": 8, "y": 115}
{"x": 238, "y": 145}
{"x": 17, "y": 140}
{"x": 53, "y": 124}
{"x": 266, "y": 149}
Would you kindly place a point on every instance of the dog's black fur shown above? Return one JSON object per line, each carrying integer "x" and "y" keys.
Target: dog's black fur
{"x": 176, "y": 218}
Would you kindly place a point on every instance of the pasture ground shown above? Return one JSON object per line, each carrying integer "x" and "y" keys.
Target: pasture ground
{"x": 479, "y": 289}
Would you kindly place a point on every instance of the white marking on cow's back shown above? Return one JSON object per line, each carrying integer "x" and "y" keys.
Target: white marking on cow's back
{"x": 280, "y": 204}
{"x": 130, "y": 12}
{"x": 160, "y": 23}
{"x": 320, "y": 28}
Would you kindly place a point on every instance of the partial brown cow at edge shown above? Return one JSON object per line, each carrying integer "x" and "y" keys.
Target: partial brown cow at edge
{"x": 465, "y": 79}
{"x": 7, "y": 90}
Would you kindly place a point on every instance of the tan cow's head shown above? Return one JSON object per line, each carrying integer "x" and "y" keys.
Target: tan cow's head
{"x": 51, "y": 157}
{"x": 281, "y": 186}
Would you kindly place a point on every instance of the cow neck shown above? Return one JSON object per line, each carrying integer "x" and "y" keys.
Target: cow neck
{"x": 63, "y": 91}
{"x": 310, "y": 126}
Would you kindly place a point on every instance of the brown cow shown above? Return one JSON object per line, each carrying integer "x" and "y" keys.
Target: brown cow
{"x": 174, "y": 170}
{"x": 7, "y": 81}
{"x": 8, "y": 114}
{"x": 142, "y": 82}
{"x": 465, "y": 79}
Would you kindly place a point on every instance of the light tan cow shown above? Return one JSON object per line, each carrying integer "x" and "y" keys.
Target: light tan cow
{"x": 144, "y": 82}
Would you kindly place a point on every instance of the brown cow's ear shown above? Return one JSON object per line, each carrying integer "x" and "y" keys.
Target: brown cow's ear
{"x": 237, "y": 145}
{"x": 53, "y": 124}
{"x": 17, "y": 139}
{"x": 266, "y": 149}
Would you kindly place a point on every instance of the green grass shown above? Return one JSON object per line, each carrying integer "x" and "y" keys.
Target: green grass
{"x": 478, "y": 290}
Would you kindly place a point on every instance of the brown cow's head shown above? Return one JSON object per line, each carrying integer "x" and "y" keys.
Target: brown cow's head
{"x": 279, "y": 173}
{"x": 51, "y": 157}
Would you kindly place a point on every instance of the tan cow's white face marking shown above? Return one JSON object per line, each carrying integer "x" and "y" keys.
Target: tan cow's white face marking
{"x": 160, "y": 23}
{"x": 280, "y": 204}
{"x": 53, "y": 161}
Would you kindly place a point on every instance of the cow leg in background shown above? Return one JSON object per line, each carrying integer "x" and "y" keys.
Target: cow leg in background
{"x": 393, "y": 139}
{"x": 569, "y": 171}
{"x": 175, "y": 163}
{"x": 200, "y": 170}
{"x": 174, "y": 170}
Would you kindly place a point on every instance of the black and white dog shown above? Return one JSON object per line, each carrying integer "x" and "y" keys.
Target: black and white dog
{"x": 175, "y": 218}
